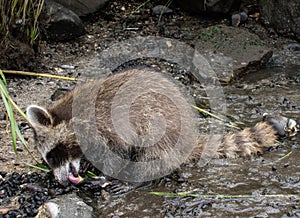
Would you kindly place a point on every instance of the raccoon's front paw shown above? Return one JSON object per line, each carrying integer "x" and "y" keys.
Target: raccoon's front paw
{"x": 120, "y": 188}
{"x": 94, "y": 182}
{"x": 283, "y": 125}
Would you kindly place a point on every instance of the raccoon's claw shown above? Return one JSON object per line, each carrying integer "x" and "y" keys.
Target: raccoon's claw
{"x": 283, "y": 125}
{"x": 121, "y": 188}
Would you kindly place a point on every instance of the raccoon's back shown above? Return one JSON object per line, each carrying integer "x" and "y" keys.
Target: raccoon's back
{"x": 142, "y": 115}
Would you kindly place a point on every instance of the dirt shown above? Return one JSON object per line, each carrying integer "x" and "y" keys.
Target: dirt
{"x": 272, "y": 89}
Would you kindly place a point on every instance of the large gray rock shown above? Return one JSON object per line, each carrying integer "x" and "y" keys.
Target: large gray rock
{"x": 231, "y": 51}
{"x": 83, "y": 7}
{"x": 209, "y": 6}
{"x": 283, "y": 15}
{"x": 65, "y": 206}
{"x": 60, "y": 23}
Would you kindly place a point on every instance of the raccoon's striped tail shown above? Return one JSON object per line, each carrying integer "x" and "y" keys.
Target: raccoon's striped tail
{"x": 247, "y": 142}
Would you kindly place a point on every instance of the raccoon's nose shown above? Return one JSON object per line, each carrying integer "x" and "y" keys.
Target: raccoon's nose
{"x": 73, "y": 170}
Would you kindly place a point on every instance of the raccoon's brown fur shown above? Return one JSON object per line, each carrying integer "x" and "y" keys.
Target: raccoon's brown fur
{"x": 57, "y": 142}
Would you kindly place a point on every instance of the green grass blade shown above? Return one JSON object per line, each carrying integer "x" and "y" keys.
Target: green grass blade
{"x": 166, "y": 5}
{"x": 4, "y": 91}
{"x": 10, "y": 112}
{"x": 281, "y": 158}
{"x": 39, "y": 166}
{"x": 21, "y": 137}
{"x": 187, "y": 194}
{"x": 227, "y": 123}
{"x": 90, "y": 174}
{"x": 39, "y": 74}
{"x": 9, "y": 104}
{"x": 13, "y": 6}
{"x": 3, "y": 78}
{"x": 141, "y": 5}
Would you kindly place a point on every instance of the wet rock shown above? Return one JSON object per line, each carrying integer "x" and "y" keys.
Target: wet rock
{"x": 209, "y": 6}
{"x": 83, "y": 7}
{"x": 19, "y": 56}
{"x": 289, "y": 54}
{"x": 282, "y": 15}
{"x": 60, "y": 23}
{"x": 65, "y": 206}
{"x": 240, "y": 18}
{"x": 293, "y": 46}
{"x": 161, "y": 9}
{"x": 231, "y": 51}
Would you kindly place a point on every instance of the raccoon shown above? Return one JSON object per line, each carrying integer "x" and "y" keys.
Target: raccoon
{"x": 60, "y": 147}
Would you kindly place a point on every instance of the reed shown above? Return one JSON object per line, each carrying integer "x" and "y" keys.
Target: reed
{"x": 10, "y": 106}
{"x": 20, "y": 19}
{"x": 229, "y": 196}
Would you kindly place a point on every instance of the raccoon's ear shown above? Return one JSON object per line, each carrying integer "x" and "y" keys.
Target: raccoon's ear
{"x": 39, "y": 116}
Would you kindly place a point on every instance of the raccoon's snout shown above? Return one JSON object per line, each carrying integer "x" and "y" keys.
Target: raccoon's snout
{"x": 62, "y": 172}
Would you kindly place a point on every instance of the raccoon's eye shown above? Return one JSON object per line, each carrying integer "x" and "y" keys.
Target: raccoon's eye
{"x": 57, "y": 156}
{"x": 50, "y": 161}
{"x": 54, "y": 160}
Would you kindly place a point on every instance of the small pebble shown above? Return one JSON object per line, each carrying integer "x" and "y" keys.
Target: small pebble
{"x": 181, "y": 180}
{"x": 161, "y": 9}
{"x": 238, "y": 19}
{"x": 69, "y": 67}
